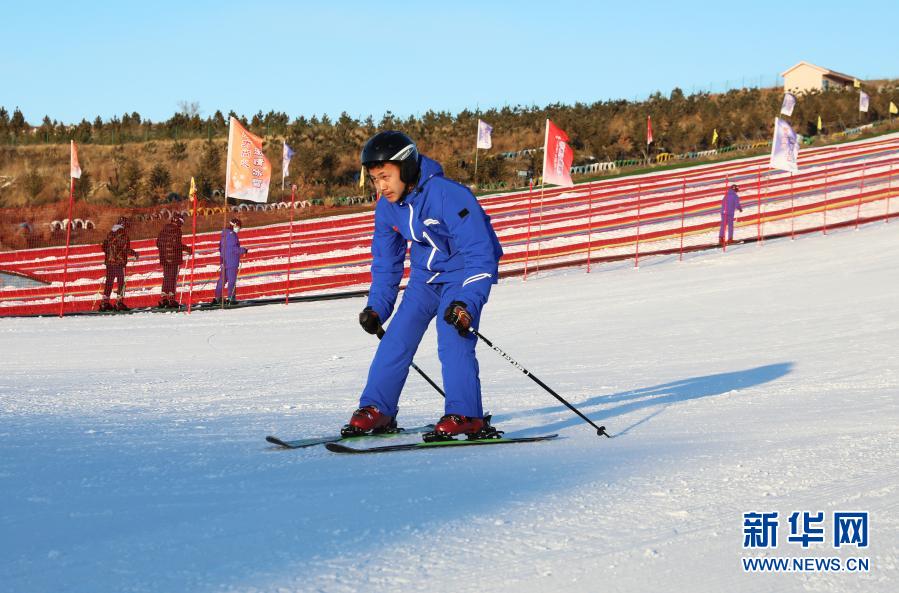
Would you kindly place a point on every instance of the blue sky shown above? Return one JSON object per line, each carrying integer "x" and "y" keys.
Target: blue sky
{"x": 74, "y": 60}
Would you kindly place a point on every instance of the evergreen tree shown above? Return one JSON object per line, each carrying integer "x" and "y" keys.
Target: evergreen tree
{"x": 83, "y": 185}
{"x": 34, "y": 183}
{"x": 160, "y": 181}
{"x": 17, "y": 123}
{"x": 210, "y": 175}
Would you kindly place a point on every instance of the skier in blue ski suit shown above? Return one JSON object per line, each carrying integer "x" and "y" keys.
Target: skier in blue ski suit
{"x": 229, "y": 259}
{"x": 729, "y": 206}
{"x": 454, "y": 261}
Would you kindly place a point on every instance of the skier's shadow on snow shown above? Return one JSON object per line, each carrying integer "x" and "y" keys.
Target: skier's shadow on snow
{"x": 657, "y": 396}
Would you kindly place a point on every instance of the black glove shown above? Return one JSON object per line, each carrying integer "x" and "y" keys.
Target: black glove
{"x": 458, "y": 316}
{"x": 369, "y": 320}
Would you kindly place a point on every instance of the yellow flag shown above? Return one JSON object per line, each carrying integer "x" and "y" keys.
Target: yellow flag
{"x": 893, "y": 108}
{"x": 819, "y": 123}
{"x": 362, "y": 177}
{"x": 193, "y": 195}
{"x": 715, "y": 136}
{"x": 857, "y": 83}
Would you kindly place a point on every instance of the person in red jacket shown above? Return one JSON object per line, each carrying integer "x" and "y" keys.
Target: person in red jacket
{"x": 117, "y": 247}
{"x": 171, "y": 256}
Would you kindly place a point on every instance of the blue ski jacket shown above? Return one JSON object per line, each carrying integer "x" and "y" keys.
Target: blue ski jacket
{"x": 730, "y": 204}
{"x": 452, "y": 242}
{"x": 230, "y": 249}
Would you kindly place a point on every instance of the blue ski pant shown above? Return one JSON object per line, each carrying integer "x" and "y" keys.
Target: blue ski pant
{"x": 227, "y": 275}
{"x": 390, "y": 367}
{"x": 728, "y": 223}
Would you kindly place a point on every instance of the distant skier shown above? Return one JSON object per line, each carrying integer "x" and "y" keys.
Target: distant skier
{"x": 454, "y": 262}
{"x": 730, "y": 204}
{"x": 230, "y": 252}
{"x": 171, "y": 257}
{"x": 117, "y": 248}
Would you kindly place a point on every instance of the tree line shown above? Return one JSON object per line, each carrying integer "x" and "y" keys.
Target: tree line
{"x": 143, "y": 162}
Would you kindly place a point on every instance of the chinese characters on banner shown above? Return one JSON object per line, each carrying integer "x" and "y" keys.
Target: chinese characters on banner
{"x": 557, "y": 156}
{"x": 249, "y": 172}
{"x": 785, "y": 147}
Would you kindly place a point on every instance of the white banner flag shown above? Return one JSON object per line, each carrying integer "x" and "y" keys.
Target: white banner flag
{"x": 74, "y": 167}
{"x": 286, "y": 154}
{"x": 785, "y": 147}
{"x": 485, "y": 138}
{"x": 863, "y": 101}
{"x": 789, "y": 103}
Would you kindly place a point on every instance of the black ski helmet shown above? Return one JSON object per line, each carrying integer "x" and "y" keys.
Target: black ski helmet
{"x": 395, "y": 147}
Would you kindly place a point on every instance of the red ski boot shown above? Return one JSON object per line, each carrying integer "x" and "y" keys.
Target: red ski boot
{"x": 453, "y": 424}
{"x": 368, "y": 420}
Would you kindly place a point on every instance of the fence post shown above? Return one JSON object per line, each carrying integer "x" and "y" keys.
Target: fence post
{"x": 758, "y": 193}
{"x": 589, "y": 224}
{"x": 293, "y": 197}
{"x": 792, "y": 216}
{"x": 889, "y": 188}
{"x": 637, "y": 252}
{"x": 683, "y": 205}
{"x": 825, "y": 200}
{"x": 723, "y": 226}
{"x": 527, "y": 250}
{"x": 861, "y": 188}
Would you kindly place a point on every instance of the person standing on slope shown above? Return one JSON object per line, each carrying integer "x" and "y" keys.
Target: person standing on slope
{"x": 229, "y": 260}
{"x": 454, "y": 263}
{"x": 116, "y": 249}
{"x": 729, "y": 206}
{"x": 171, "y": 257}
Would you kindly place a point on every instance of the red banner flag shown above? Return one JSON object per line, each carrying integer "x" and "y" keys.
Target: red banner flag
{"x": 648, "y": 130}
{"x": 248, "y": 171}
{"x": 557, "y": 156}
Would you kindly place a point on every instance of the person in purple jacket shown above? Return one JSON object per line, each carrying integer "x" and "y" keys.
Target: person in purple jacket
{"x": 229, "y": 259}
{"x": 729, "y": 207}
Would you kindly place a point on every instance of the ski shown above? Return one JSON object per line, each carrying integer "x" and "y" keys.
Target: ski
{"x": 311, "y": 442}
{"x": 339, "y": 448}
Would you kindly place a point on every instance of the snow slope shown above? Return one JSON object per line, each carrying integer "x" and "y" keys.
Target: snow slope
{"x": 761, "y": 379}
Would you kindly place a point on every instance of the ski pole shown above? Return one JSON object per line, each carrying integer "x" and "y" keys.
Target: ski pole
{"x": 415, "y": 366}
{"x": 600, "y": 430}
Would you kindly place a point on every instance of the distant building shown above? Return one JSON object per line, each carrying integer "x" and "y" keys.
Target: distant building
{"x": 805, "y": 77}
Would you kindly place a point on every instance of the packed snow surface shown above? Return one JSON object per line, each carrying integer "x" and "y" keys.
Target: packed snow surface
{"x": 760, "y": 379}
